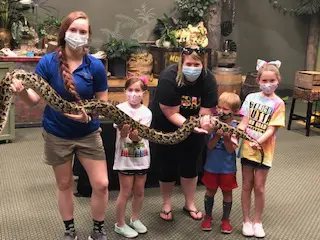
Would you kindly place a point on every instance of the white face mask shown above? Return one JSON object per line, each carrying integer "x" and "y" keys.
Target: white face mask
{"x": 75, "y": 40}
{"x": 134, "y": 98}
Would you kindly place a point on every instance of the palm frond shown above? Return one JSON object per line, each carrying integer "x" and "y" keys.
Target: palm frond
{"x": 308, "y": 7}
{"x": 127, "y": 22}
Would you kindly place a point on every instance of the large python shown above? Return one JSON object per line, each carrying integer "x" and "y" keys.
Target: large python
{"x": 107, "y": 109}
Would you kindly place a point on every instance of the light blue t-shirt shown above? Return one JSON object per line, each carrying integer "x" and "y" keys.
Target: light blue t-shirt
{"x": 219, "y": 160}
{"x": 89, "y": 78}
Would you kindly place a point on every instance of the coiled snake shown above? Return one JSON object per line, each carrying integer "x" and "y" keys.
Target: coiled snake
{"x": 107, "y": 109}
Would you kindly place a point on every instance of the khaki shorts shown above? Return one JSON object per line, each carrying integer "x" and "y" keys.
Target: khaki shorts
{"x": 59, "y": 150}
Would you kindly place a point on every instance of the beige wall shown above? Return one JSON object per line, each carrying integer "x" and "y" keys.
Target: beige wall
{"x": 260, "y": 31}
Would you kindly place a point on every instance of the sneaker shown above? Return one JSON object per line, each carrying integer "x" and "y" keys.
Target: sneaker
{"x": 206, "y": 224}
{"x": 69, "y": 236}
{"x": 226, "y": 226}
{"x": 258, "y": 230}
{"x": 98, "y": 235}
{"x": 125, "y": 231}
{"x": 138, "y": 226}
{"x": 247, "y": 229}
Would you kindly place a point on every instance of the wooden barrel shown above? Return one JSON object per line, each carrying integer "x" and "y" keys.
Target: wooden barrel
{"x": 250, "y": 85}
{"x": 228, "y": 79}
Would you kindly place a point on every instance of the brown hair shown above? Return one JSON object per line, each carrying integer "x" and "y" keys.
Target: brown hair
{"x": 133, "y": 80}
{"x": 231, "y": 99}
{"x": 64, "y": 67}
{"x": 271, "y": 68}
{"x": 195, "y": 56}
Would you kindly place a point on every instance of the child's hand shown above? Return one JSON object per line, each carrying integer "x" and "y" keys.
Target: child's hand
{"x": 134, "y": 135}
{"x": 125, "y": 130}
{"x": 219, "y": 132}
{"x": 254, "y": 146}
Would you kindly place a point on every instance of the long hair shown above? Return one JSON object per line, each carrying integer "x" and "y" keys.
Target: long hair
{"x": 63, "y": 64}
{"x": 195, "y": 56}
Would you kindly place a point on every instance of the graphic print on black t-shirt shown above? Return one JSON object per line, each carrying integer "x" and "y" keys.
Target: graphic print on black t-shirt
{"x": 260, "y": 116}
{"x": 190, "y": 102}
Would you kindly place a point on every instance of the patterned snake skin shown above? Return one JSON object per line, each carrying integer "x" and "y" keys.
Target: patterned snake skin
{"x": 106, "y": 109}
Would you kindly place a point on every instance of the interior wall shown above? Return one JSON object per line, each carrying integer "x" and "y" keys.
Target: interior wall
{"x": 260, "y": 31}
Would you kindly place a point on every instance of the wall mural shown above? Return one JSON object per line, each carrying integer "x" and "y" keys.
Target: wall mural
{"x": 141, "y": 25}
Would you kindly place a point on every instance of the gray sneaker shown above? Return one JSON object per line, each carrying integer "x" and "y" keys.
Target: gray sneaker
{"x": 98, "y": 235}
{"x": 69, "y": 236}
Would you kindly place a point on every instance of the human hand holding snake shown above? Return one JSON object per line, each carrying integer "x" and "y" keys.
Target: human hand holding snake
{"x": 82, "y": 117}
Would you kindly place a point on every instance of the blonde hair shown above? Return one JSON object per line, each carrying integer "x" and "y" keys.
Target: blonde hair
{"x": 269, "y": 67}
{"x": 195, "y": 56}
{"x": 231, "y": 99}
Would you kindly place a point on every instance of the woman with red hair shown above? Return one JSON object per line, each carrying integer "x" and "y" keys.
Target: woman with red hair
{"x": 75, "y": 75}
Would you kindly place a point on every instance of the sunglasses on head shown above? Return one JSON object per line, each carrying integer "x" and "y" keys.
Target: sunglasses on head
{"x": 188, "y": 51}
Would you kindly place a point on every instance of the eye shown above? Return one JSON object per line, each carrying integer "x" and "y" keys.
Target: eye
{"x": 72, "y": 30}
{"x": 83, "y": 32}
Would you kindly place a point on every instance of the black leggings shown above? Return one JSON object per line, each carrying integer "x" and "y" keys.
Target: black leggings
{"x": 182, "y": 157}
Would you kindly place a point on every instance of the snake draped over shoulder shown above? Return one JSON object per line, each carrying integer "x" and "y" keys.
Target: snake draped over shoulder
{"x": 108, "y": 109}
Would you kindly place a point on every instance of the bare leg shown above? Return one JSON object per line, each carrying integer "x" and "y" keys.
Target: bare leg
{"x": 247, "y": 186}
{"x": 64, "y": 181}
{"x": 98, "y": 176}
{"x": 189, "y": 186}
{"x": 166, "y": 189}
{"x": 126, "y": 184}
{"x": 138, "y": 195}
{"x": 260, "y": 179}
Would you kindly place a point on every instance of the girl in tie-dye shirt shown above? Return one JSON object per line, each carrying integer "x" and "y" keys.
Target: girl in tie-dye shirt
{"x": 263, "y": 113}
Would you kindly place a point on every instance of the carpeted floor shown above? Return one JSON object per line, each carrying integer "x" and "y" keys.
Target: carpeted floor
{"x": 28, "y": 207}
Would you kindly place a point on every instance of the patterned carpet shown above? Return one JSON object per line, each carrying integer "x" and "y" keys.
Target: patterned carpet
{"x": 28, "y": 207}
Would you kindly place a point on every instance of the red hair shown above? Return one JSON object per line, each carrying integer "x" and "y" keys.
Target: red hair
{"x": 65, "y": 71}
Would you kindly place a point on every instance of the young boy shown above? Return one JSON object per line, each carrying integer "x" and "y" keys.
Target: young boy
{"x": 220, "y": 167}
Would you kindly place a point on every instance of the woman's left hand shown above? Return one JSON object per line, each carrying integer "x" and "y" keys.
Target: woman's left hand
{"x": 206, "y": 124}
{"x": 82, "y": 117}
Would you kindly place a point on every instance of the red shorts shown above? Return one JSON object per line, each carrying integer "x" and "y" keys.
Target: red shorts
{"x": 226, "y": 182}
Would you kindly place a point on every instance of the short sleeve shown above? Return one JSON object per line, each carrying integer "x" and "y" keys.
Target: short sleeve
{"x": 100, "y": 79}
{"x": 278, "y": 116}
{"x": 209, "y": 96}
{"x": 244, "y": 111}
{"x": 146, "y": 120}
{"x": 167, "y": 90}
{"x": 42, "y": 68}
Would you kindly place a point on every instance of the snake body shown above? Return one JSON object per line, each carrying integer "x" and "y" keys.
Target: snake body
{"x": 107, "y": 109}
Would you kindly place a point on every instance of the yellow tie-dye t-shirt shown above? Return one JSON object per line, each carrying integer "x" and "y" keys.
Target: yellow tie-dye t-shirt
{"x": 262, "y": 113}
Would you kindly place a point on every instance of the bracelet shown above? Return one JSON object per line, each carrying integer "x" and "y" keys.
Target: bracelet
{"x": 89, "y": 119}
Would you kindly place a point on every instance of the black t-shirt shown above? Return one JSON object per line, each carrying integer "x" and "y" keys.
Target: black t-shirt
{"x": 202, "y": 93}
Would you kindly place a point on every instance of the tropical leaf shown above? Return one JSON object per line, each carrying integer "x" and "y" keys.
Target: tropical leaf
{"x": 308, "y": 7}
{"x": 126, "y": 21}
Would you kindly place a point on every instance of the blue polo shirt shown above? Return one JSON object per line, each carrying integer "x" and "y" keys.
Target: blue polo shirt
{"x": 219, "y": 160}
{"x": 89, "y": 78}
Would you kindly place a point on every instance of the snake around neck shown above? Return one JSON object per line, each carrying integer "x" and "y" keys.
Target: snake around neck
{"x": 107, "y": 109}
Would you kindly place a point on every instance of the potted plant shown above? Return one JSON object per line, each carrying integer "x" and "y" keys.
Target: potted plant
{"x": 48, "y": 29}
{"x": 118, "y": 52}
{"x": 11, "y": 11}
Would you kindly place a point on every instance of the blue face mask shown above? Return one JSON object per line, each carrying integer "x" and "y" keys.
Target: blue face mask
{"x": 191, "y": 73}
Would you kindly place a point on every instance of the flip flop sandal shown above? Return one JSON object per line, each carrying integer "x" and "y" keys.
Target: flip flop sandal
{"x": 167, "y": 213}
{"x": 187, "y": 211}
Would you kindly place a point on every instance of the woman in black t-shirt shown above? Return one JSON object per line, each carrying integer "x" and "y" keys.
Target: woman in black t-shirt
{"x": 184, "y": 89}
